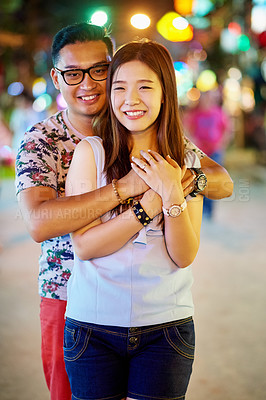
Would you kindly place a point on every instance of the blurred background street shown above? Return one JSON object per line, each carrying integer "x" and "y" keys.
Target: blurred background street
{"x": 218, "y": 48}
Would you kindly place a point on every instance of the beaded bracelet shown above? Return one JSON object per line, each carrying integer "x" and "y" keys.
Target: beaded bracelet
{"x": 141, "y": 215}
{"x": 114, "y": 182}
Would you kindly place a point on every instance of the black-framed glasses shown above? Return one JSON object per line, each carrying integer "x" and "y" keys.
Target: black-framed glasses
{"x": 76, "y": 76}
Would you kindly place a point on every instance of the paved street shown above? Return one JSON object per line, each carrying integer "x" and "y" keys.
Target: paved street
{"x": 229, "y": 295}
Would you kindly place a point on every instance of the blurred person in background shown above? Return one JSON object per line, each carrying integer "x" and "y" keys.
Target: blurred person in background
{"x": 81, "y": 54}
{"x": 209, "y": 127}
{"x": 22, "y": 118}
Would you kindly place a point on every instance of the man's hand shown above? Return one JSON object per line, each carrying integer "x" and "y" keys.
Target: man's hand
{"x": 131, "y": 185}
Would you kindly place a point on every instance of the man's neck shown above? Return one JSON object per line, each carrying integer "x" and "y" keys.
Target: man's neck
{"x": 81, "y": 123}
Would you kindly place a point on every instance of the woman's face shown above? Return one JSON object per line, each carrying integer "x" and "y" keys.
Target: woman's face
{"x": 136, "y": 96}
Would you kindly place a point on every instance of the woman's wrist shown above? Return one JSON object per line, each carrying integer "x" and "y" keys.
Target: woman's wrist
{"x": 176, "y": 196}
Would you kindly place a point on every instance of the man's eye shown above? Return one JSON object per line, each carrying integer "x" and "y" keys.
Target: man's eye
{"x": 100, "y": 70}
{"x": 73, "y": 74}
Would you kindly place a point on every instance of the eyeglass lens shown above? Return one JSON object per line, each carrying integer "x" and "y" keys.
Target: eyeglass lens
{"x": 98, "y": 73}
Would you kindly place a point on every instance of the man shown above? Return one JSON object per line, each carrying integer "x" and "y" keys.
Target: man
{"x": 80, "y": 55}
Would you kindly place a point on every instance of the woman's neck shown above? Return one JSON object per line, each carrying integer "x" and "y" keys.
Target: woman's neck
{"x": 144, "y": 141}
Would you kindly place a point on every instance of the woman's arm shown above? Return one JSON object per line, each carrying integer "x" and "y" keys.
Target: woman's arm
{"x": 182, "y": 233}
{"x": 100, "y": 239}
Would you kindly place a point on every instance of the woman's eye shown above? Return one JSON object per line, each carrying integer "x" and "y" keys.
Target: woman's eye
{"x": 118, "y": 88}
{"x": 145, "y": 87}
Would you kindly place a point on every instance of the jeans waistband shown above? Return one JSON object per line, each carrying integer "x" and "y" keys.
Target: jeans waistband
{"x": 125, "y": 331}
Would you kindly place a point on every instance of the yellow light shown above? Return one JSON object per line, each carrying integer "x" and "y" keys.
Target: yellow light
{"x": 140, "y": 21}
{"x": 206, "y": 81}
{"x": 184, "y": 7}
{"x": 232, "y": 89}
{"x": 166, "y": 28}
{"x": 247, "y": 99}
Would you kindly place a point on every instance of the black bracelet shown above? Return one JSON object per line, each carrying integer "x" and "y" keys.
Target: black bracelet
{"x": 141, "y": 215}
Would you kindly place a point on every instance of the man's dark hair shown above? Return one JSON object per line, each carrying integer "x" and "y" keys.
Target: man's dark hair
{"x": 81, "y": 32}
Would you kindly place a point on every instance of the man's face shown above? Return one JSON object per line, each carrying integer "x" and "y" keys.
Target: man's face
{"x": 88, "y": 97}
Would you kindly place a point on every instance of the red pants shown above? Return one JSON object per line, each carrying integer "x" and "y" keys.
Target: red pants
{"x": 52, "y": 329}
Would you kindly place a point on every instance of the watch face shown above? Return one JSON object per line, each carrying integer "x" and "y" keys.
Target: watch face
{"x": 201, "y": 182}
{"x": 174, "y": 211}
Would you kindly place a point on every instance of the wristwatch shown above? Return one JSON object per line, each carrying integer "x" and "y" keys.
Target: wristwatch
{"x": 200, "y": 181}
{"x": 175, "y": 210}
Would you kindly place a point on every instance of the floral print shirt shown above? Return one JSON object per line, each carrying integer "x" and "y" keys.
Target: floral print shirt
{"x": 43, "y": 159}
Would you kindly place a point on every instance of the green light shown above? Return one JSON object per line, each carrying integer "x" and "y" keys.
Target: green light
{"x": 99, "y": 18}
{"x": 243, "y": 43}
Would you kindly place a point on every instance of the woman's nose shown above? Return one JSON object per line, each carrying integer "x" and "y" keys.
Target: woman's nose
{"x": 132, "y": 100}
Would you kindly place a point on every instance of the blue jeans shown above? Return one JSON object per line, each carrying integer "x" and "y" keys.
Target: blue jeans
{"x": 145, "y": 363}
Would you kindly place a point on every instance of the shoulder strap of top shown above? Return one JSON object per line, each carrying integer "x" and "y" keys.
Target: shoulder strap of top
{"x": 99, "y": 155}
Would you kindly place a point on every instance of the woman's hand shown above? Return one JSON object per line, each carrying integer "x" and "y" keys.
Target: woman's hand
{"x": 164, "y": 176}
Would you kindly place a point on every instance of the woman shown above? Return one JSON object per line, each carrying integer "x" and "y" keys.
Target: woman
{"x": 129, "y": 330}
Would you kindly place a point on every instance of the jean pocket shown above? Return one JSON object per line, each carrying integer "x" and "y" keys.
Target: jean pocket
{"x": 181, "y": 337}
{"x": 76, "y": 339}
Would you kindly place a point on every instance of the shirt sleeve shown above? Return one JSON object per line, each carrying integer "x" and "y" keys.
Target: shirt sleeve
{"x": 36, "y": 161}
{"x": 189, "y": 146}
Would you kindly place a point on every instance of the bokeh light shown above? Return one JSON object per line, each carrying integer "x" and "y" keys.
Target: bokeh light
{"x": 140, "y": 21}
{"x": 39, "y": 87}
{"x": 184, "y": 80}
{"x": 232, "y": 89}
{"x": 60, "y": 101}
{"x": 42, "y": 102}
{"x": 234, "y": 73}
{"x": 184, "y": 7}
{"x": 263, "y": 69}
{"x": 99, "y": 18}
{"x": 206, "y": 81}
{"x": 202, "y": 7}
{"x": 243, "y": 43}
{"x": 199, "y": 22}
{"x": 247, "y": 99}
{"x": 228, "y": 41}
{"x": 15, "y": 88}
{"x": 234, "y": 28}
{"x": 180, "y": 23}
{"x": 193, "y": 94}
{"x": 258, "y": 18}
{"x": 168, "y": 31}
